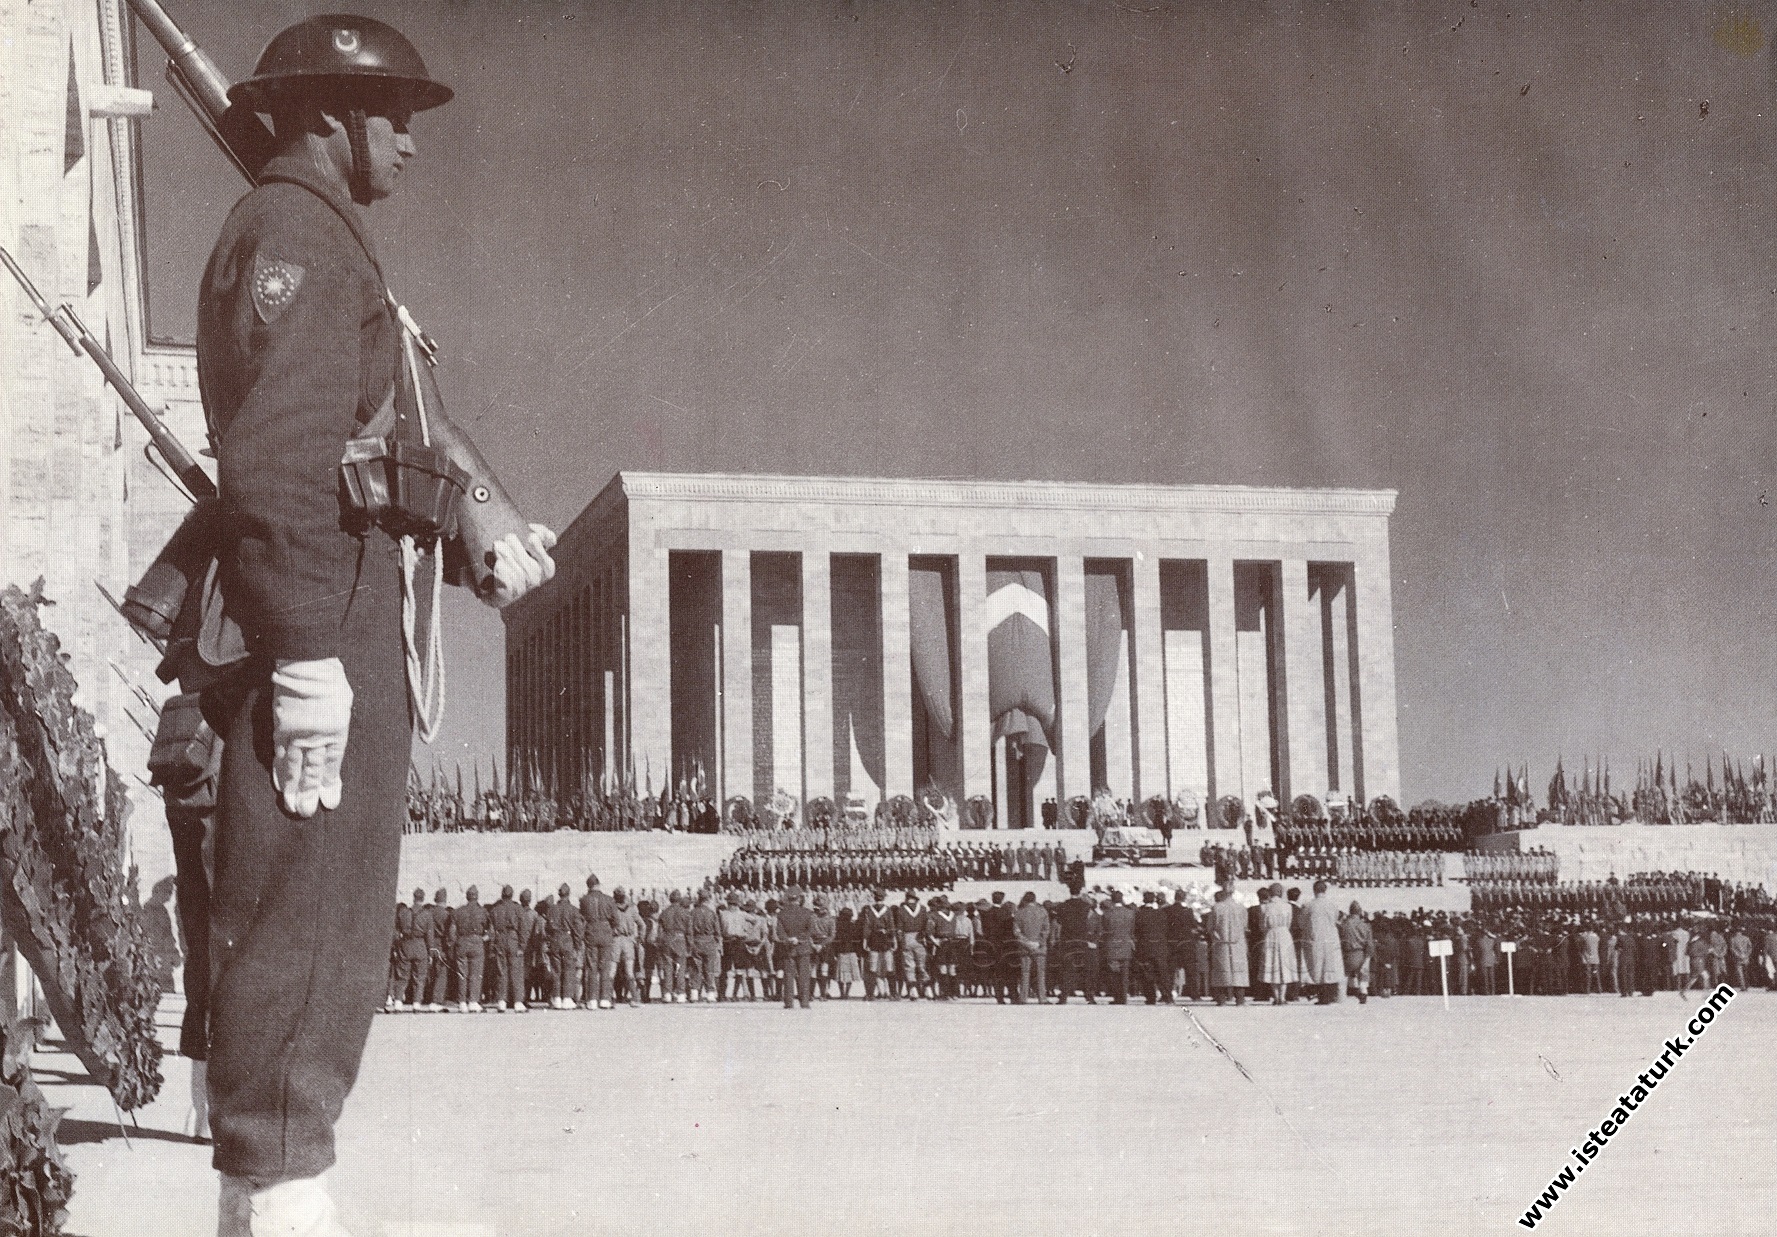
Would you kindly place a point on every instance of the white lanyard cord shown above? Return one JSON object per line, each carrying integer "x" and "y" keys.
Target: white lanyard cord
{"x": 425, "y": 672}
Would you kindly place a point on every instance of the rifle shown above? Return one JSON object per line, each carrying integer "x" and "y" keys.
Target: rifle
{"x": 154, "y": 603}
{"x": 488, "y": 514}
{"x": 80, "y": 341}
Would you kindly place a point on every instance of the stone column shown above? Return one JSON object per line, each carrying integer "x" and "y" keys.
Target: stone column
{"x": 1075, "y": 774}
{"x": 737, "y": 673}
{"x": 649, "y": 681}
{"x": 1378, "y": 743}
{"x": 817, "y": 672}
{"x": 1336, "y": 622}
{"x": 1305, "y": 687}
{"x": 897, "y": 678}
{"x": 976, "y": 725}
{"x": 1224, "y": 682}
{"x": 1149, "y": 664}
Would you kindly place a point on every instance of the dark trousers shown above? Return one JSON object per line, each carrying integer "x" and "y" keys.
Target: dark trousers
{"x": 706, "y": 965}
{"x": 439, "y": 986}
{"x": 567, "y": 970}
{"x": 192, "y": 880}
{"x": 410, "y": 978}
{"x": 300, "y": 908}
{"x": 598, "y": 970}
{"x": 1071, "y": 963}
{"x": 508, "y": 972}
{"x": 1154, "y": 972}
{"x": 1119, "y": 982}
{"x": 798, "y": 979}
{"x": 470, "y": 959}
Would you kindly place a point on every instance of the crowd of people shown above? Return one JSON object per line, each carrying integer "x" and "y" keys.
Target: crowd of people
{"x": 596, "y": 951}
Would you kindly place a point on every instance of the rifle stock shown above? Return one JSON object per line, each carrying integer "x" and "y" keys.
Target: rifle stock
{"x": 487, "y": 512}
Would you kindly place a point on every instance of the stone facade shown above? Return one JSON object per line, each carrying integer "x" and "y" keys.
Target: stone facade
{"x": 752, "y": 634}
{"x": 79, "y": 501}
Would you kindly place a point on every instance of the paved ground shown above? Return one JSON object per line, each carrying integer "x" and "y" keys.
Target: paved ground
{"x": 1395, "y": 1117}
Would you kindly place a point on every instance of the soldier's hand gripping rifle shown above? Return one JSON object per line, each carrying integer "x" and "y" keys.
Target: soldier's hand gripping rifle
{"x": 488, "y": 515}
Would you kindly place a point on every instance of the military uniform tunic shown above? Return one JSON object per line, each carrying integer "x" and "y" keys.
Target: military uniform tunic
{"x": 296, "y": 349}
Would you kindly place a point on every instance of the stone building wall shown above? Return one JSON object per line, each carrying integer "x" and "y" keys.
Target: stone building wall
{"x": 79, "y": 502}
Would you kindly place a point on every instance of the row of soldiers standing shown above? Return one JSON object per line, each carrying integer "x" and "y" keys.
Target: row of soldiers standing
{"x": 1390, "y": 867}
{"x": 1531, "y": 865}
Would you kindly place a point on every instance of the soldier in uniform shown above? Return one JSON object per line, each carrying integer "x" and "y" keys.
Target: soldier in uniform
{"x": 437, "y": 922}
{"x": 298, "y": 347}
{"x": 506, "y": 923}
{"x": 530, "y": 936}
{"x": 599, "y": 915}
{"x": 706, "y": 947}
{"x": 567, "y": 934}
{"x": 627, "y": 929}
{"x": 409, "y": 989}
{"x": 467, "y": 937}
{"x": 675, "y": 944}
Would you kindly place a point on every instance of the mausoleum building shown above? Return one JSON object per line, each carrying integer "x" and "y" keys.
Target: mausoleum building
{"x": 1023, "y": 641}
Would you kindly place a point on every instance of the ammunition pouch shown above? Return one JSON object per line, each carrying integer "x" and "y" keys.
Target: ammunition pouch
{"x": 186, "y": 756}
{"x": 405, "y": 487}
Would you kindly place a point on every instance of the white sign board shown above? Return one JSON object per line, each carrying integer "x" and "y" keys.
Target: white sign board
{"x": 1508, "y": 947}
{"x": 1438, "y": 949}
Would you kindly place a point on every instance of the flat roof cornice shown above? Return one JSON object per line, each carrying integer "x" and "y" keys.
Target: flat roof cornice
{"x": 1055, "y": 495}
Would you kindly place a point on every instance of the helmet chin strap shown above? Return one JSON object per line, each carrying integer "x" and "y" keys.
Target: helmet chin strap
{"x": 357, "y": 132}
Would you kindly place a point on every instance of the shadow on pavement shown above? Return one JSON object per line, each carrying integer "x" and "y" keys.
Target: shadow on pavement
{"x": 74, "y": 1132}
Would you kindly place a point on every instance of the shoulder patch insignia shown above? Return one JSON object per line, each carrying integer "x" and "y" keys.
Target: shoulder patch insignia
{"x": 275, "y": 284}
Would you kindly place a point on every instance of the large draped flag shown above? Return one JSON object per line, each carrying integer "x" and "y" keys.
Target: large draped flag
{"x": 1020, "y": 667}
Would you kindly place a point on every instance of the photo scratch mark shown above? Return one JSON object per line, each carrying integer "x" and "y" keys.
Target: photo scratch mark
{"x": 1263, "y": 1090}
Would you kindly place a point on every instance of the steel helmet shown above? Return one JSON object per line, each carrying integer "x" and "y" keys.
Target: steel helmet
{"x": 344, "y": 54}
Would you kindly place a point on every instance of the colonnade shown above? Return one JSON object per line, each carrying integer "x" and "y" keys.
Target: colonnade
{"x": 1280, "y": 676}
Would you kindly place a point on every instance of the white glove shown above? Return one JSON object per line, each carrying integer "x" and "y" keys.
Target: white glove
{"x": 520, "y": 566}
{"x": 311, "y": 711}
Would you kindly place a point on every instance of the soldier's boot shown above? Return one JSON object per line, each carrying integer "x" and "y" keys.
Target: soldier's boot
{"x": 299, "y": 1208}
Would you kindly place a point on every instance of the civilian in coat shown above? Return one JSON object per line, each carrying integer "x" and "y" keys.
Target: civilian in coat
{"x": 1326, "y": 960}
{"x": 1227, "y": 949}
{"x": 1119, "y": 946}
{"x": 1030, "y": 928}
{"x": 1277, "y": 954}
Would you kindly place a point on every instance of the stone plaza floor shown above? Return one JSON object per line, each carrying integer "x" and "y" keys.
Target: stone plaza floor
{"x": 1392, "y": 1117}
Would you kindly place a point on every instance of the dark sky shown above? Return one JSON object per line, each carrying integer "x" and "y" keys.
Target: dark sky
{"x": 1512, "y": 259}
